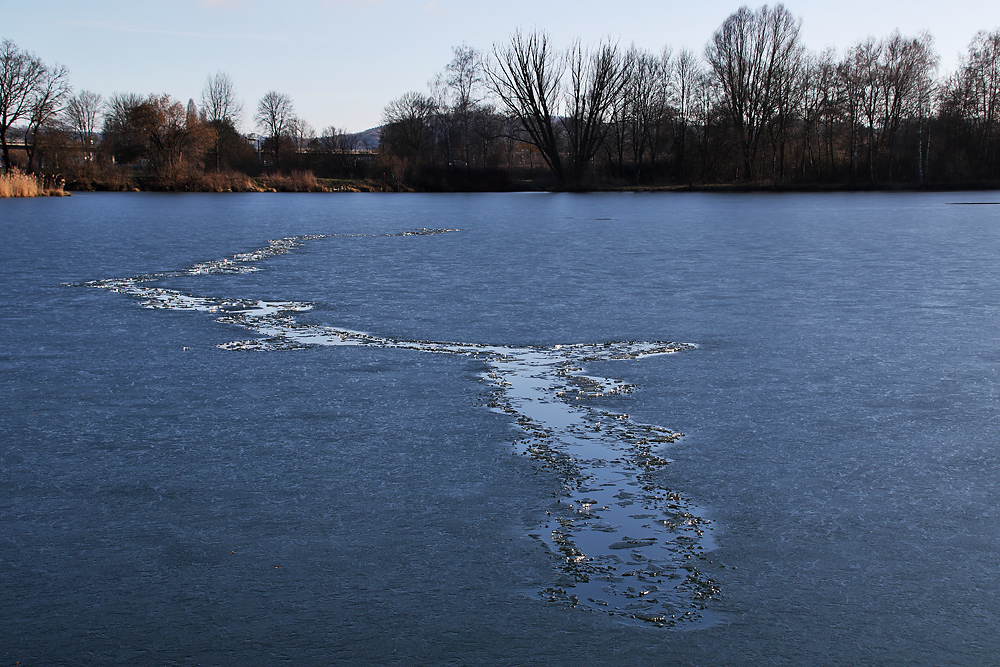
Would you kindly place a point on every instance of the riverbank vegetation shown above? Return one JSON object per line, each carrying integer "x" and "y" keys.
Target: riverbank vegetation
{"x": 17, "y": 184}
{"x": 755, "y": 109}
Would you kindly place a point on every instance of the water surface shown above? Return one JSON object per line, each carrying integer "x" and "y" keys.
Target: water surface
{"x": 168, "y": 499}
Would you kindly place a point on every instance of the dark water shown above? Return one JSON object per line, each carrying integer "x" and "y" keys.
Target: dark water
{"x": 164, "y": 500}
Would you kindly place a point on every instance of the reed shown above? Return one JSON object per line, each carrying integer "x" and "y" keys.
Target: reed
{"x": 18, "y": 184}
{"x": 227, "y": 181}
{"x": 298, "y": 181}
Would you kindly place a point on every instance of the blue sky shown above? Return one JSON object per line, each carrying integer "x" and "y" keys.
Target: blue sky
{"x": 341, "y": 61}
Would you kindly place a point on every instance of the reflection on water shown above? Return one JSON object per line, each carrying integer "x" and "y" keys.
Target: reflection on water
{"x": 624, "y": 543}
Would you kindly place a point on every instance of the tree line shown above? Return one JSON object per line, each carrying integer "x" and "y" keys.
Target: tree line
{"x": 133, "y": 140}
{"x": 755, "y": 107}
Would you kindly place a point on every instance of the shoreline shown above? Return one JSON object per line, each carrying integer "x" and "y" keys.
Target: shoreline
{"x": 19, "y": 185}
{"x": 333, "y": 186}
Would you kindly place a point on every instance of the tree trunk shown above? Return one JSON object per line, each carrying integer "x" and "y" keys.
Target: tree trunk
{"x": 5, "y": 149}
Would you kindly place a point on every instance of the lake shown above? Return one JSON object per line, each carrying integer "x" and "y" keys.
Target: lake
{"x": 493, "y": 429}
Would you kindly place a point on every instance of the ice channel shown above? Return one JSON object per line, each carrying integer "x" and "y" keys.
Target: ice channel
{"x": 623, "y": 543}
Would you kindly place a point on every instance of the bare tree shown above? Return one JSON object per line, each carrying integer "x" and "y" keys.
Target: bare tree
{"x": 275, "y": 113}
{"x": 124, "y": 133}
{"x": 47, "y": 102}
{"x": 82, "y": 112}
{"x": 688, "y": 75}
{"x": 620, "y": 119}
{"x": 406, "y": 130}
{"x": 443, "y": 122}
{"x": 596, "y": 80}
{"x": 465, "y": 79}
{"x": 755, "y": 55}
{"x": 641, "y": 113}
{"x": 221, "y": 109}
{"x": 301, "y": 132}
{"x": 820, "y": 109}
{"x": 526, "y": 76}
{"x": 20, "y": 75}
{"x": 219, "y": 102}
{"x": 975, "y": 91}
{"x": 456, "y": 94}
{"x": 343, "y": 154}
{"x": 887, "y": 83}
{"x": 465, "y": 76}
{"x": 907, "y": 71}
{"x": 859, "y": 81}
{"x": 926, "y": 91}
{"x": 339, "y": 140}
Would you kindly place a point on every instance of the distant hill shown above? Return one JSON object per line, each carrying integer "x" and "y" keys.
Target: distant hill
{"x": 369, "y": 139}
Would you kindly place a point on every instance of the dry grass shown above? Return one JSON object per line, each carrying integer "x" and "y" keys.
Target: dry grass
{"x": 227, "y": 182}
{"x": 299, "y": 181}
{"x": 18, "y": 184}
{"x": 361, "y": 185}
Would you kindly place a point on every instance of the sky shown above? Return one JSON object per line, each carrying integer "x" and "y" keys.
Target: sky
{"x": 342, "y": 61}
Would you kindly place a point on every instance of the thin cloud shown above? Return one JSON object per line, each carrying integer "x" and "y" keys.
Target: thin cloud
{"x": 113, "y": 27}
{"x": 227, "y": 4}
{"x": 354, "y": 3}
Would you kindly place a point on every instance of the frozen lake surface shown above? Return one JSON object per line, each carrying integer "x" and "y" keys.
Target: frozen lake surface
{"x": 495, "y": 429}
